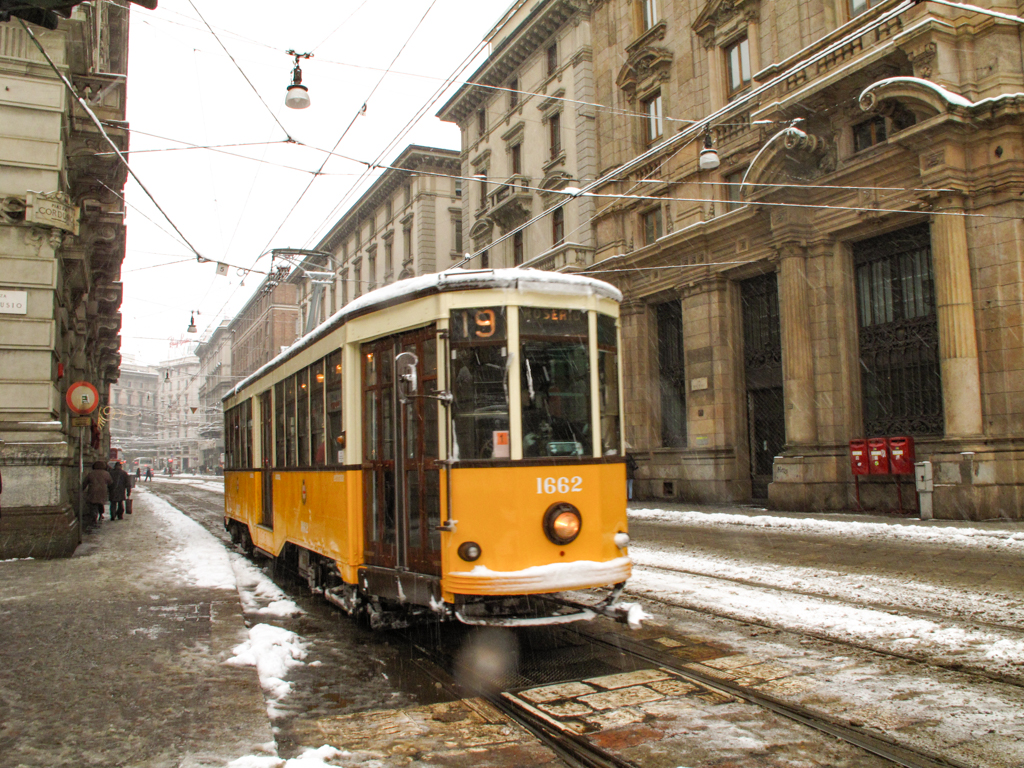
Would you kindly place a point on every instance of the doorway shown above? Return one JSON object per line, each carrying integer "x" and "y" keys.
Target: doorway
{"x": 401, "y": 475}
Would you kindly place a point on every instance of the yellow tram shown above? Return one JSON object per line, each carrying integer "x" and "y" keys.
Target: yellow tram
{"x": 446, "y": 446}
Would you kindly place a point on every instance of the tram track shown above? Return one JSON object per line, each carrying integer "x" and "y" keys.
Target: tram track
{"x": 919, "y": 658}
{"x": 875, "y": 743}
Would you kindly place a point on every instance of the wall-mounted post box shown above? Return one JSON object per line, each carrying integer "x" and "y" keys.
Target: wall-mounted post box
{"x": 859, "y": 457}
{"x": 901, "y": 455}
{"x": 878, "y": 456}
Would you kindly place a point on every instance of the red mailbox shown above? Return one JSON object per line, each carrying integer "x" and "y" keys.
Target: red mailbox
{"x": 878, "y": 456}
{"x": 859, "y": 457}
{"x": 901, "y": 455}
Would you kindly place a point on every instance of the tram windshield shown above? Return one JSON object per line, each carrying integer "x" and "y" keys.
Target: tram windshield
{"x": 480, "y": 383}
{"x": 555, "y": 382}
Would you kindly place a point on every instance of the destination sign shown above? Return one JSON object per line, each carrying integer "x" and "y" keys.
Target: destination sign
{"x": 539, "y": 321}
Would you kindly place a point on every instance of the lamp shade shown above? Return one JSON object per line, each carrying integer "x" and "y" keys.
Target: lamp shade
{"x": 709, "y": 159}
{"x": 297, "y": 96}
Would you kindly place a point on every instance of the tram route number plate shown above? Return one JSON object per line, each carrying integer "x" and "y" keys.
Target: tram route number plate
{"x": 552, "y": 485}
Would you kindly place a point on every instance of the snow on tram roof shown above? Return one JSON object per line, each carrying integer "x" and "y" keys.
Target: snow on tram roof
{"x": 516, "y": 278}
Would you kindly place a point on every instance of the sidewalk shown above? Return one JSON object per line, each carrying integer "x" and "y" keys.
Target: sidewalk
{"x": 110, "y": 658}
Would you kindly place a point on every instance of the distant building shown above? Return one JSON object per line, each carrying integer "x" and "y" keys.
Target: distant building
{"x": 134, "y": 401}
{"x": 528, "y": 134}
{"x": 215, "y": 380}
{"x": 409, "y": 222}
{"x": 62, "y": 241}
{"x": 179, "y": 415}
{"x": 267, "y": 323}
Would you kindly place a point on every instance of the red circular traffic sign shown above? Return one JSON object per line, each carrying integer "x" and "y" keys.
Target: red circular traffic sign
{"x": 82, "y": 398}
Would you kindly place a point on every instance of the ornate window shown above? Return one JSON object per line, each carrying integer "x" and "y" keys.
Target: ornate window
{"x": 654, "y": 117}
{"x": 555, "y": 130}
{"x": 899, "y": 334}
{"x": 516, "y": 159}
{"x": 648, "y": 13}
{"x": 731, "y": 186}
{"x": 558, "y": 226}
{"x": 737, "y": 65}
{"x": 552, "y": 59}
{"x": 513, "y": 93}
{"x": 517, "y": 248}
{"x": 652, "y": 225}
{"x": 857, "y": 7}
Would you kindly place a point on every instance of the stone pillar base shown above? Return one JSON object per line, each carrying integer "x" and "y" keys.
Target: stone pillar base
{"x": 40, "y": 532}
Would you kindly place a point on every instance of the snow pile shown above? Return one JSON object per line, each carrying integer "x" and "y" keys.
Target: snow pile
{"x": 311, "y": 758}
{"x": 273, "y": 651}
{"x": 197, "y": 556}
{"x": 259, "y": 594}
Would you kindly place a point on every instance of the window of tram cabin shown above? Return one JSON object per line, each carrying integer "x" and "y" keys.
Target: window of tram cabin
{"x": 555, "y": 382}
{"x": 608, "y": 383}
{"x": 317, "y": 433}
{"x": 302, "y": 414}
{"x": 479, "y": 351}
{"x": 335, "y": 437}
{"x": 291, "y": 443}
{"x": 247, "y": 433}
{"x": 280, "y": 422}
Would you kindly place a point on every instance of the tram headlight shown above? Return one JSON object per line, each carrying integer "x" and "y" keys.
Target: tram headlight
{"x": 469, "y": 551}
{"x": 562, "y": 523}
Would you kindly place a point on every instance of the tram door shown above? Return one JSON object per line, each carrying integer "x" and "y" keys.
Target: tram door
{"x": 401, "y": 476}
{"x": 266, "y": 444}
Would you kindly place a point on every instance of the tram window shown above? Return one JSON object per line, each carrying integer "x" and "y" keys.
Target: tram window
{"x": 335, "y": 437}
{"x": 429, "y": 377}
{"x": 369, "y": 405}
{"x": 387, "y": 423}
{"x": 247, "y": 432}
{"x": 291, "y": 445}
{"x": 480, "y": 383}
{"x": 279, "y": 425}
{"x": 302, "y": 409}
{"x": 608, "y": 381}
{"x": 555, "y": 376}
{"x": 229, "y": 438}
{"x": 316, "y": 414}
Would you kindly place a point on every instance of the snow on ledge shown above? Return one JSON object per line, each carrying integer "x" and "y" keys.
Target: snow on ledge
{"x": 943, "y": 93}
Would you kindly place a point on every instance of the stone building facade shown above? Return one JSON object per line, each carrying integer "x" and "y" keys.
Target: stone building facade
{"x": 267, "y": 323}
{"x": 215, "y": 380}
{"x": 179, "y": 416}
{"x": 62, "y": 240}
{"x": 134, "y": 412}
{"x": 408, "y": 223}
{"x": 851, "y": 269}
{"x": 528, "y": 135}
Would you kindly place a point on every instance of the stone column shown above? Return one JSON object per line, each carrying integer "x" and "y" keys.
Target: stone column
{"x": 797, "y": 355}
{"x": 958, "y": 342}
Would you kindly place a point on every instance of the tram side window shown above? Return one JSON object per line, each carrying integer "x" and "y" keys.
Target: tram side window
{"x": 316, "y": 414}
{"x": 279, "y": 425}
{"x": 479, "y": 351}
{"x": 555, "y": 376}
{"x": 230, "y": 433}
{"x": 608, "y": 381}
{"x": 335, "y": 437}
{"x": 247, "y": 432}
{"x": 291, "y": 444}
{"x": 302, "y": 406}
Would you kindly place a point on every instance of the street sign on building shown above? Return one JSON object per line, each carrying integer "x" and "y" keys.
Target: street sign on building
{"x": 13, "y": 302}
{"x": 52, "y": 210}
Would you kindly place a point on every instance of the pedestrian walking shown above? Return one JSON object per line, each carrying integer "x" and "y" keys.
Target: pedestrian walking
{"x": 149, "y": 473}
{"x": 120, "y": 489}
{"x": 138, "y": 474}
{"x": 631, "y": 467}
{"x": 97, "y": 491}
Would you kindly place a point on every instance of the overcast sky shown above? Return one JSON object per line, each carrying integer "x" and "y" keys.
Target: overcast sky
{"x": 183, "y": 89}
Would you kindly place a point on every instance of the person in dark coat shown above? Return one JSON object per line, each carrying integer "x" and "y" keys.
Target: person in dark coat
{"x": 120, "y": 489}
{"x": 149, "y": 473}
{"x": 97, "y": 490}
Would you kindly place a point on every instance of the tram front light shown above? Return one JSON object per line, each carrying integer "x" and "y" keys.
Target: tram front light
{"x": 562, "y": 523}
{"x": 469, "y": 551}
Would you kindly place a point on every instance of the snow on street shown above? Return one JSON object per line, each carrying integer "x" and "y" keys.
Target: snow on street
{"x": 905, "y": 615}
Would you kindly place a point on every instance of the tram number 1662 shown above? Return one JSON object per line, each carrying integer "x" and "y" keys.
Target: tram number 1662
{"x": 549, "y": 485}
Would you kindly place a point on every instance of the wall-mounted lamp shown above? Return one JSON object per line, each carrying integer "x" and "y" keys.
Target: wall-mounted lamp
{"x": 708, "y": 156}
{"x": 298, "y": 94}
